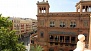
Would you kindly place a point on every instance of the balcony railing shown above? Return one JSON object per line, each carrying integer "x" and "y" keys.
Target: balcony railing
{"x": 73, "y": 41}
{"x": 51, "y": 40}
{"x": 67, "y": 41}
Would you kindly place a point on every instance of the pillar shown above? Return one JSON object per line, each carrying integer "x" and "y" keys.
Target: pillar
{"x": 85, "y": 9}
{"x": 59, "y": 38}
{"x": 70, "y": 39}
{"x": 76, "y": 9}
{"x": 88, "y": 8}
{"x": 64, "y": 39}
{"x": 80, "y": 8}
{"x": 37, "y": 10}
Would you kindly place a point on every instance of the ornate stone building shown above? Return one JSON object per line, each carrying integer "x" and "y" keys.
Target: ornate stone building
{"x": 58, "y": 31}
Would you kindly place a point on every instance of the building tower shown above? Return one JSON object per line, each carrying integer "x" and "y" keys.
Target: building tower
{"x": 43, "y": 7}
{"x": 84, "y": 6}
{"x": 42, "y": 11}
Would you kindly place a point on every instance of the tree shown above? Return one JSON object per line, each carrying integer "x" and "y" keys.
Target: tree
{"x": 8, "y": 38}
{"x": 9, "y": 41}
{"x": 5, "y": 22}
{"x": 36, "y": 48}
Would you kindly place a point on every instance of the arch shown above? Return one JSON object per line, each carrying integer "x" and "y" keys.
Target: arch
{"x": 70, "y": 50}
{"x": 61, "y": 50}
{"x": 40, "y": 10}
{"x": 51, "y": 49}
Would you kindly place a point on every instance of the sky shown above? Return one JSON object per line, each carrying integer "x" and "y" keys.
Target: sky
{"x": 28, "y": 8}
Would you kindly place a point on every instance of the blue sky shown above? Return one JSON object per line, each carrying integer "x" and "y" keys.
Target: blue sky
{"x": 28, "y": 8}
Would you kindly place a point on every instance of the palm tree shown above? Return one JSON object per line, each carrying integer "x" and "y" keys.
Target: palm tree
{"x": 36, "y": 48}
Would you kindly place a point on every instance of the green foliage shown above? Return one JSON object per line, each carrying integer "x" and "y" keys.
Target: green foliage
{"x": 5, "y": 22}
{"x": 36, "y": 48}
{"x": 8, "y": 38}
{"x": 6, "y": 50}
{"x": 9, "y": 41}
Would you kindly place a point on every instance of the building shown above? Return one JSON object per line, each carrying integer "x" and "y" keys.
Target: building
{"x": 22, "y": 26}
{"x": 90, "y": 35}
{"x": 26, "y": 26}
{"x": 34, "y": 25}
{"x": 84, "y": 6}
{"x": 16, "y": 25}
{"x": 58, "y": 31}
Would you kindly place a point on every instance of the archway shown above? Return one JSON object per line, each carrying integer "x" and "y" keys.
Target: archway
{"x": 70, "y": 50}
{"x": 61, "y": 50}
{"x": 51, "y": 49}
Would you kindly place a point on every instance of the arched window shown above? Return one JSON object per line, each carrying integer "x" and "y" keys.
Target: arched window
{"x": 52, "y": 24}
{"x": 62, "y": 24}
{"x": 73, "y": 24}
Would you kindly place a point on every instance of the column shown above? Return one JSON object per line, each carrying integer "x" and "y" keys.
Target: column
{"x": 64, "y": 39}
{"x": 85, "y": 8}
{"x": 76, "y": 9}
{"x": 88, "y": 8}
{"x": 59, "y": 38}
{"x": 70, "y": 39}
{"x": 38, "y": 10}
{"x": 76, "y": 39}
{"x": 41, "y": 10}
{"x": 80, "y": 8}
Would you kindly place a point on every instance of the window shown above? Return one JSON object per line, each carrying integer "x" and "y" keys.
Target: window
{"x": 73, "y": 24}
{"x": 15, "y": 25}
{"x": 56, "y": 43}
{"x": 85, "y": 24}
{"x": 56, "y": 38}
{"x": 42, "y": 22}
{"x": 51, "y": 43}
{"x": 61, "y": 38}
{"x": 73, "y": 39}
{"x": 32, "y": 41}
{"x": 42, "y": 34}
{"x": 51, "y": 38}
{"x": 62, "y": 24}
{"x": 52, "y": 24}
{"x": 67, "y": 39}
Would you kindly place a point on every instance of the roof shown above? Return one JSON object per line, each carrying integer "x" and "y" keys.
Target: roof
{"x": 43, "y": 2}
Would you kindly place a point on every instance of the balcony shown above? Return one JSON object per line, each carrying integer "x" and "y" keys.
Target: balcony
{"x": 67, "y": 41}
{"x": 51, "y": 39}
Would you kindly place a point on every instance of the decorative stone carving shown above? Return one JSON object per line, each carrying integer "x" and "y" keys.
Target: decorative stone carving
{"x": 81, "y": 43}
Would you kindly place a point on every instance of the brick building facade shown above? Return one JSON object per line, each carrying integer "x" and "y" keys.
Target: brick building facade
{"x": 58, "y": 31}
